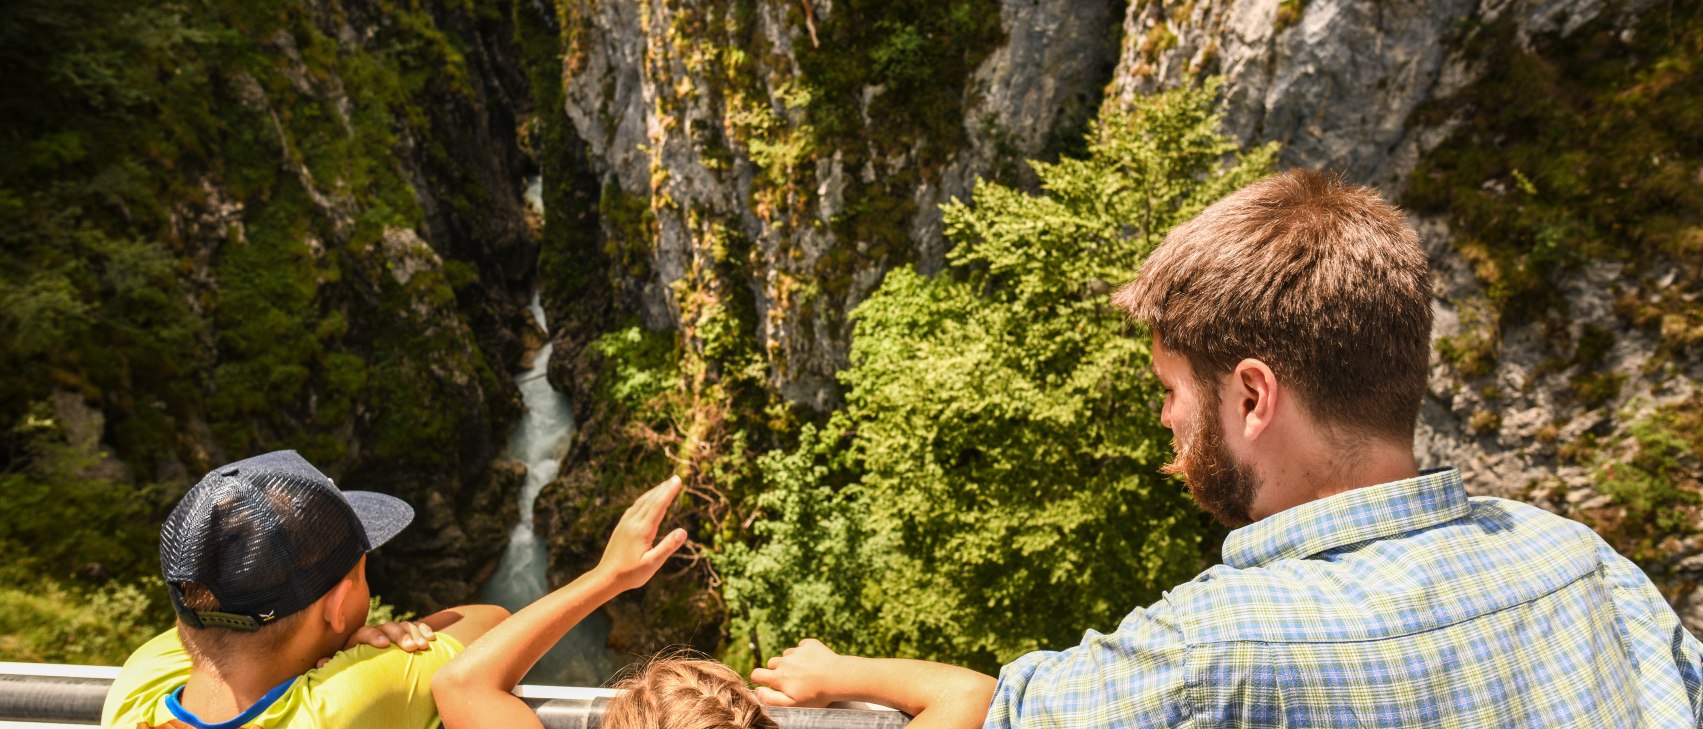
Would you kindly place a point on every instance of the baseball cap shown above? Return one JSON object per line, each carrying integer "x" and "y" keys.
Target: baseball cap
{"x": 268, "y": 536}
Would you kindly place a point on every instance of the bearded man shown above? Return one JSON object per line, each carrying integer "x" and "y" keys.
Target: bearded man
{"x": 1291, "y": 330}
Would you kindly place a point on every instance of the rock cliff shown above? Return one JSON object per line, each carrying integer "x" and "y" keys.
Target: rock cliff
{"x": 234, "y": 227}
{"x": 246, "y": 227}
{"x": 751, "y": 170}
{"x": 1553, "y": 369}
{"x": 766, "y": 163}
{"x": 1338, "y": 83}
{"x": 822, "y": 135}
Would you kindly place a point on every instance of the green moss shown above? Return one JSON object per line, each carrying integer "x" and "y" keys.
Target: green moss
{"x": 1485, "y": 423}
{"x": 1583, "y": 148}
{"x": 1472, "y": 353}
{"x": 632, "y": 233}
{"x": 264, "y": 316}
{"x": 1289, "y": 13}
{"x": 1654, "y": 483}
{"x": 1594, "y": 384}
{"x": 1158, "y": 39}
{"x": 1595, "y": 389}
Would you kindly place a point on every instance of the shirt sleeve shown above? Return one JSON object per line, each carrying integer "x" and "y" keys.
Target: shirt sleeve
{"x": 1131, "y": 677}
{"x": 152, "y": 671}
{"x": 388, "y": 687}
{"x": 1664, "y": 649}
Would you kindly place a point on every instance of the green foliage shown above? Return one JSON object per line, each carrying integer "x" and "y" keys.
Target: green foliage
{"x": 991, "y": 486}
{"x": 380, "y": 612}
{"x": 925, "y": 50}
{"x": 66, "y": 516}
{"x": 900, "y": 57}
{"x": 44, "y": 621}
{"x": 172, "y": 235}
{"x": 641, "y": 366}
{"x": 79, "y": 580}
{"x": 814, "y": 533}
{"x": 191, "y": 222}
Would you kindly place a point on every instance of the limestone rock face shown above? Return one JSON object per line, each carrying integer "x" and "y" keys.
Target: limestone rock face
{"x": 1337, "y": 82}
{"x": 1036, "y": 91}
{"x": 721, "y": 147}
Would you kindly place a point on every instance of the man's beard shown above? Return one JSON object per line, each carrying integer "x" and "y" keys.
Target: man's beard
{"x": 1220, "y": 484}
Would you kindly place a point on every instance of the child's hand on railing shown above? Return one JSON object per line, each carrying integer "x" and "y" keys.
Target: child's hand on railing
{"x": 801, "y": 676}
{"x": 937, "y": 695}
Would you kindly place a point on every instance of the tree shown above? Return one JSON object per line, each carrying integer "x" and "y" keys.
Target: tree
{"x": 991, "y": 486}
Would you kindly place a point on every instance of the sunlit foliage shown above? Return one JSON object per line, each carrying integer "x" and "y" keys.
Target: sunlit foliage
{"x": 991, "y": 485}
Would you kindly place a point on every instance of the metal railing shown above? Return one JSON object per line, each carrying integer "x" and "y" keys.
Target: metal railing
{"x": 43, "y": 694}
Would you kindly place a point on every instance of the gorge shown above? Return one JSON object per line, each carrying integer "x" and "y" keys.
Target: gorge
{"x": 234, "y": 227}
{"x": 540, "y": 442}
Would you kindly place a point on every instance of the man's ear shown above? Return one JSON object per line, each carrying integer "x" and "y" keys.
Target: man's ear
{"x": 334, "y": 601}
{"x": 1255, "y": 390}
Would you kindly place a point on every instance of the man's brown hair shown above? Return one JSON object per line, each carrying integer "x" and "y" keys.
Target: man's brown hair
{"x": 685, "y": 693}
{"x": 1323, "y": 281}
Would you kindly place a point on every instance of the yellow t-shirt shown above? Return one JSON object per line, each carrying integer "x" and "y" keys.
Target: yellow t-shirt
{"x": 360, "y": 687}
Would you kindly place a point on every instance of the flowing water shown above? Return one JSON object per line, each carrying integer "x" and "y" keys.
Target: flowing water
{"x": 540, "y": 441}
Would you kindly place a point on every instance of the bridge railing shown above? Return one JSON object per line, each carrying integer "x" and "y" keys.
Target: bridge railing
{"x": 45, "y": 695}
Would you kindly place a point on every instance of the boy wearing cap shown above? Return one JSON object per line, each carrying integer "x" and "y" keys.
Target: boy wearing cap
{"x": 266, "y": 563}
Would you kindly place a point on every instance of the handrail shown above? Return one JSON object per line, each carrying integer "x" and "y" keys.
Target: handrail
{"x": 72, "y": 695}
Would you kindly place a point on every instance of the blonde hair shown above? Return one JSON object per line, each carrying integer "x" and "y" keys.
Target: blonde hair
{"x": 673, "y": 692}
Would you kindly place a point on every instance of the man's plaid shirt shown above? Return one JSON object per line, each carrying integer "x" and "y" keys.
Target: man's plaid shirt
{"x": 1402, "y": 604}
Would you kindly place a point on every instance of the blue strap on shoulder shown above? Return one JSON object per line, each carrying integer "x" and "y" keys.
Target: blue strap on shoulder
{"x": 174, "y": 704}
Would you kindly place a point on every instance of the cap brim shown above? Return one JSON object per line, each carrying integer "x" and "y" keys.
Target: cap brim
{"x": 384, "y": 516}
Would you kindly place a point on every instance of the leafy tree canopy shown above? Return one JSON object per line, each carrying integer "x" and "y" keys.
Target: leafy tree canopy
{"x": 991, "y": 486}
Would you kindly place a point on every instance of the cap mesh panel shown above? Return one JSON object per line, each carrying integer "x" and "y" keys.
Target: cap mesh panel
{"x": 264, "y": 544}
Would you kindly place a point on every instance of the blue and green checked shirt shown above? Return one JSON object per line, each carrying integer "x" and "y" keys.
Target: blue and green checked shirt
{"x": 1402, "y": 604}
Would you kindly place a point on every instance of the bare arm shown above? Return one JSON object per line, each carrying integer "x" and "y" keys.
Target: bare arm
{"x": 466, "y": 623}
{"x": 937, "y": 695}
{"x": 474, "y": 689}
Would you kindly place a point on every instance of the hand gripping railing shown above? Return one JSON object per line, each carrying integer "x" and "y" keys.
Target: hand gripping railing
{"x": 49, "y": 694}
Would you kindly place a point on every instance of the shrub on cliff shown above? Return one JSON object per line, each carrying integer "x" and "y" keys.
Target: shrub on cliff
{"x": 991, "y": 485}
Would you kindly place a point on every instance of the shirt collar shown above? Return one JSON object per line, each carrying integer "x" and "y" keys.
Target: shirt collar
{"x": 174, "y": 704}
{"x": 1358, "y": 515}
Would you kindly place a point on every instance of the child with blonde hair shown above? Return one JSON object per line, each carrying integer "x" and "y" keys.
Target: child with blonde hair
{"x": 474, "y": 690}
{"x": 685, "y": 693}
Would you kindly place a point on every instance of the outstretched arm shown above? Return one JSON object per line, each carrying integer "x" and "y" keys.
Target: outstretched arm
{"x": 937, "y": 695}
{"x": 474, "y": 689}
